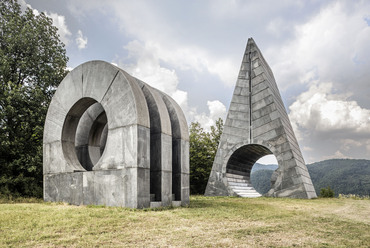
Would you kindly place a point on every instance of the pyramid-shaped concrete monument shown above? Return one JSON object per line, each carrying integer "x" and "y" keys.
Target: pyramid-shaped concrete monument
{"x": 257, "y": 124}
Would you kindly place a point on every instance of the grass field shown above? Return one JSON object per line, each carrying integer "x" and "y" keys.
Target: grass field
{"x": 207, "y": 222}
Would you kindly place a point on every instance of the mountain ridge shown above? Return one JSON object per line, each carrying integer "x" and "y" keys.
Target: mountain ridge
{"x": 344, "y": 176}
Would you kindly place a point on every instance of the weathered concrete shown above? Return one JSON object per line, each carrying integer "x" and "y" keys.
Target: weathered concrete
{"x": 109, "y": 140}
{"x": 257, "y": 124}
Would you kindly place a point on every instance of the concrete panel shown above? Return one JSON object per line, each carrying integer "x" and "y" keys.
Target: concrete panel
{"x": 72, "y": 84}
{"x": 104, "y": 188}
{"x": 125, "y": 101}
{"x": 63, "y": 187}
{"x": 97, "y": 78}
{"x": 54, "y": 122}
{"x": 121, "y": 149}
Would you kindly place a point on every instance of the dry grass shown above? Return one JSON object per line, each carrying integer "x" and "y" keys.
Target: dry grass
{"x": 207, "y": 222}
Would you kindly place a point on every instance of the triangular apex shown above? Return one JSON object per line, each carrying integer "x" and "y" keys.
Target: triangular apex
{"x": 257, "y": 125}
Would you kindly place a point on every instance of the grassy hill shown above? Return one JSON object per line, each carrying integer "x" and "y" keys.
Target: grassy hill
{"x": 344, "y": 176}
{"x": 207, "y": 222}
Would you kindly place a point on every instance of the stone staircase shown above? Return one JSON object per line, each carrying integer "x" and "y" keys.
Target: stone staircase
{"x": 241, "y": 185}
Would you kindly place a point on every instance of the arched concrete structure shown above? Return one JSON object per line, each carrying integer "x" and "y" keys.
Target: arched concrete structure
{"x": 239, "y": 166}
{"x": 257, "y": 124}
{"x": 108, "y": 141}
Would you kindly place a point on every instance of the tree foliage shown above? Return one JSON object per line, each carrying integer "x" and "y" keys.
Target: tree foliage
{"x": 261, "y": 180}
{"x": 203, "y": 148}
{"x": 32, "y": 63}
{"x": 326, "y": 192}
{"x": 344, "y": 176}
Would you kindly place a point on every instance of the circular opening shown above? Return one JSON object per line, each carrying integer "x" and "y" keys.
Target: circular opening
{"x": 239, "y": 167}
{"x": 91, "y": 136}
{"x": 84, "y": 134}
{"x": 261, "y": 173}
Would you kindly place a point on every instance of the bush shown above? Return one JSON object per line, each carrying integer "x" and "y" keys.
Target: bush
{"x": 327, "y": 192}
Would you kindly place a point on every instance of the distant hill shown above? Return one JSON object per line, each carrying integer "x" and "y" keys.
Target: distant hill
{"x": 344, "y": 176}
{"x": 257, "y": 167}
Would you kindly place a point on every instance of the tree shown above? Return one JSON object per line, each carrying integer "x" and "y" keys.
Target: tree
{"x": 33, "y": 62}
{"x": 203, "y": 148}
{"x": 326, "y": 192}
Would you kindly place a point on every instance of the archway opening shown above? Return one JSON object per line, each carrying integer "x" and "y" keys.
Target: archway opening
{"x": 85, "y": 133}
{"x": 239, "y": 167}
{"x": 261, "y": 173}
{"x": 91, "y": 136}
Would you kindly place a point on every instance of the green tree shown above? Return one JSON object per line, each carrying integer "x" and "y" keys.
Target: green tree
{"x": 203, "y": 148}
{"x": 326, "y": 192}
{"x": 32, "y": 63}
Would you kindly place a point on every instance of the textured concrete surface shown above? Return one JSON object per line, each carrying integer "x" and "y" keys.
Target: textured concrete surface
{"x": 110, "y": 139}
{"x": 257, "y": 124}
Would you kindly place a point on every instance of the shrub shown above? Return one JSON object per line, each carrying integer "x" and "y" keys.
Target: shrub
{"x": 326, "y": 192}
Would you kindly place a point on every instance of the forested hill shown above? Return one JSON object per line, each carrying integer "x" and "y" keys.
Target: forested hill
{"x": 344, "y": 176}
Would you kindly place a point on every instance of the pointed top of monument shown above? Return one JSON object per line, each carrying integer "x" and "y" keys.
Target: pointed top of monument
{"x": 251, "y": 53}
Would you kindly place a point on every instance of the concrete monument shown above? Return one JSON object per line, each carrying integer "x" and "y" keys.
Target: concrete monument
{"x": 257, "y": 124}
{"x": 111, "y": 139}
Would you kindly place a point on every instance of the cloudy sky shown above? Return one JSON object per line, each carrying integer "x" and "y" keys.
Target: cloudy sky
{"x": 319, "y": 52}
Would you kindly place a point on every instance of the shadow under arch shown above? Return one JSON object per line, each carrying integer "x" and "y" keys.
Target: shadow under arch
{"x": 239, "y": 167}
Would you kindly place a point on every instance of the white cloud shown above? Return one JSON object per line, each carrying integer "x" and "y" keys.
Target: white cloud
{"x": 81, "y": 40}
{"x": 60, "y": 22}
{"x": 216, "y": 110}
{"x": 326, "y": 47}
{"x": 268, "y": 159}
{"x": 147, "y": 67}
{"x": 320, "y": 110}
{"x": 161, "y": 36}
{"x": 337, "y": 155}
{"x": 329, "y": 123}
{"x": 347, "y": 144}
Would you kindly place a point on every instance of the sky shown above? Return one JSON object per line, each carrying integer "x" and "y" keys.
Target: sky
{"x": 319, "y": 52}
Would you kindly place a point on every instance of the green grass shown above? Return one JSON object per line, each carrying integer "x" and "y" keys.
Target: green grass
{"x": 207, "y": 222}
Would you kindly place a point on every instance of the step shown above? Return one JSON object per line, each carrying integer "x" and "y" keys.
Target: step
{"x": 155, "y": 204}
{"x": 176, "y": 203}
{"x": 243, "y": 184}
{"x": 237, "y": 172}
{"x": 237, "y": 180}
{"x": 229, "y": 175}
{"x": 250, "y": 195}
{"x": 246, "y": 187}
{"x": 252, "y": 190}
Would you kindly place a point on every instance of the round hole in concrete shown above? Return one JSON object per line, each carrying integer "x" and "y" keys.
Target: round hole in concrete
{"x": 91, "y": 136}
{"x": 261, "y": 173}
{"x": 239, "y": 167}
{"x": 84, "y": 134}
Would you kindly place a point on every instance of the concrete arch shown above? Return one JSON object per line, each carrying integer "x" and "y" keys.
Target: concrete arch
{"x": 180, "y": 150}
{"x": 160, "y": 143}
{"x": 89, "y": 141}
{"x": 239, "y": 166}
{"x": 98, "y": 106}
